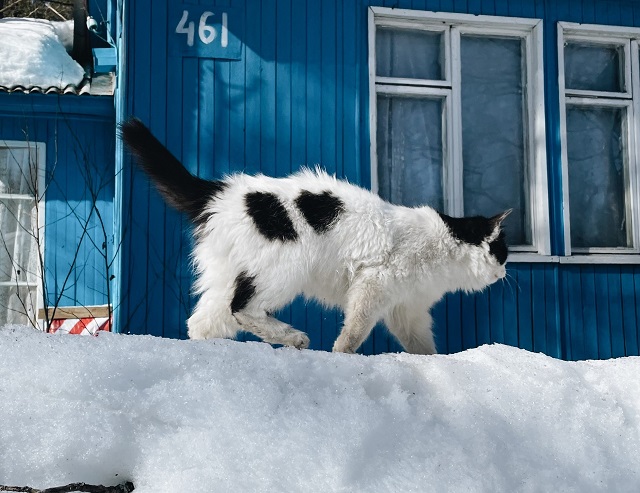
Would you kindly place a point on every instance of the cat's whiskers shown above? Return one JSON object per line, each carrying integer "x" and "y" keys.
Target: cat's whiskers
{"x": 507, "y": 279}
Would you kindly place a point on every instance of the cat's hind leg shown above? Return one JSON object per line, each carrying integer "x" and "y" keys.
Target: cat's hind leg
{"x": 272, "y": 330}
{"x": 412, "y": 327}
{"x": 212, "y": 318}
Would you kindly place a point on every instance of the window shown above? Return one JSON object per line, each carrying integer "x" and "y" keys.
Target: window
{"x": 599, "y": 95}
{"x": 457, "y": 117}
{"x": 21, "y": 217}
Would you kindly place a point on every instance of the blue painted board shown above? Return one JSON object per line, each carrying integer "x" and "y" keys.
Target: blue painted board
{"x": 454, "y": 323}
{"x": 468, "y": 321}
{"x": 496, "y": 309}
{"x": 510, "y": 308}
{"x": 539, "y": 307}
{"x": 592, "y": 342}
{"x": 439, "y": 327}
{"x": 629, "y": 320}
{"x": 602, "y": 310}
{"x": 552, "y": 312}
{"x": 483, "y": 320}
{"x": 525, "y": 317}
{"x": 299, "y": 95}
{"x": 612, "y": 274}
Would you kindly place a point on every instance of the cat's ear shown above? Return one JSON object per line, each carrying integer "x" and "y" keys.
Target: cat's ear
{"x": 496, "y": 223}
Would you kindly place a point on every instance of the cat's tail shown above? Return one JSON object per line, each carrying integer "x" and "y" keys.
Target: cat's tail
{"x": 179, "y": 188}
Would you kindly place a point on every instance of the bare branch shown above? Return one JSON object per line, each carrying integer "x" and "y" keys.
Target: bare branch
{"x": 126, "y": 487}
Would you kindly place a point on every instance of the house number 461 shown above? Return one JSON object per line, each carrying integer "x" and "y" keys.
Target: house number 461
{"x": 206, "y": 33}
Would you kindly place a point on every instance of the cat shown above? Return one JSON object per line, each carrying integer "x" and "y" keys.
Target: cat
{"x": 261, "y": 241}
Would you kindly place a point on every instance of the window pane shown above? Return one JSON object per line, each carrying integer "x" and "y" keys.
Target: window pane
{"x": 594, "y": 67}
{"x": 493, "y": 144}
{"x": 17, "y": 304}
{"x": 595, "y": 147}
{"x": 410, "y": 54}
{"x": 18, "y": 247}
{"x": 15, "y": 176}
{"x": 410, "y": 153}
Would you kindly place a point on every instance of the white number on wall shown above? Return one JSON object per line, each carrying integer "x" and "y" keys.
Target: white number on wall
{"x": 207, "y": 34}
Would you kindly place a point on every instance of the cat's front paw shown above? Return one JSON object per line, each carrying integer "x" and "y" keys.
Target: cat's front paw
{"x": 342, "y": 345}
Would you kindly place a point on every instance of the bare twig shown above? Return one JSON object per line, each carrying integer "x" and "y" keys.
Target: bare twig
{"x": 126, "y": 487}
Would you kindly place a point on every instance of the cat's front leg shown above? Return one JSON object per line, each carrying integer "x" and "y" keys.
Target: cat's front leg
{"x": 364, "y": 308}
{"x": 411, "y": 323}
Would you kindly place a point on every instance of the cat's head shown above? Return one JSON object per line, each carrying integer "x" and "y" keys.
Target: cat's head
{"x": 484, "y": 243}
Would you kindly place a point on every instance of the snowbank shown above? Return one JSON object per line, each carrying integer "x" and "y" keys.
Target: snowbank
{"x": 209, "y": 416}
{"x": 33, "y": 53}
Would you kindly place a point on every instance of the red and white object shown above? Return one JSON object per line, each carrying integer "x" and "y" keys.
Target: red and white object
{"x": 84, "y": 320}
{"x": 82, "y": 326}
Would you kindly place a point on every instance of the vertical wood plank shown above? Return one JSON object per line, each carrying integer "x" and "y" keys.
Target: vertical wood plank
{"x": 553, "y": 318}
{"x": 601, "y": 286}
{"x": 539, "y": 307}
{"x": 510, "y": 309}
{"x": 237, "y": 90}
{"x": 253, "y": 107}
{"x": 489, "y": 7}
{"x": 439, "y": 327}
{"x": 636, "y": 290}
{"x": 468, "y": 321}
{"x": 575, "y": 312}
{"x": 574, "y": 9}
{"x": 601, "y": 12}
{"x": 268, "y": 88}
{"x": 615, "y": 310}
{"x": 137, "y": 244}
{"x": 525, "y": 319}
{"x": 629, "y": 320}
{"x": 482, "y": 318}
{"x": 496, "y": 307}
{"x": 454, "y": 323}
{"x": 474, "y": 6}
{"x": 162, "y": 321}
{"x": 594, "y": 343}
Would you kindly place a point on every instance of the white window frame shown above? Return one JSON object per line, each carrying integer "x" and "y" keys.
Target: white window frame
{"x": 453, "y": 25}
{"x": 628, "y": 39}
{"x": 37, "y": 150}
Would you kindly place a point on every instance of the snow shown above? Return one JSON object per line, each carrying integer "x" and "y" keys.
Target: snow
{"x": 33, "y": 53}
{"x": 221, "y": 416}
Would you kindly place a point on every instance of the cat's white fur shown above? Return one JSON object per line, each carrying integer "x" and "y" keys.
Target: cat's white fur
{"x": 374, "y": 260}
{"x": 379, "y": 262}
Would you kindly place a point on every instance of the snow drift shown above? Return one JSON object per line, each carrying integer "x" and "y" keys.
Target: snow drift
{"x": 217, "y": 415}
{"x": 33, "y": 53}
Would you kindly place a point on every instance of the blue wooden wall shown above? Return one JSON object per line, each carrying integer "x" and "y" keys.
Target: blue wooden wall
{"x": 299, "y": 95}
{"x": 79, "y": 133}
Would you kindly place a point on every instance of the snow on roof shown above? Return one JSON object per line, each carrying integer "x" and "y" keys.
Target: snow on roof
{"x": 222, "y": 416}
{"x": 33, "y": 56}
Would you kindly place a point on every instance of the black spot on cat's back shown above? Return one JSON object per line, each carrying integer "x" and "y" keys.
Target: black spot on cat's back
{"x": 472, "y": 230}
{"x": 270, "y": 216}
{"x": 245, "y": 289}
{"x": 321, "y": 210}
{"x": 209, "y": 190}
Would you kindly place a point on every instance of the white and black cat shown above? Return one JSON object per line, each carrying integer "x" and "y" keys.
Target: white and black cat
{"x": 261, "y": 241}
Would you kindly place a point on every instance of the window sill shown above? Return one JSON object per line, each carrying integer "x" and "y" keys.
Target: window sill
{"x": 522, "y": 257}
{"x": 574, "y": 259}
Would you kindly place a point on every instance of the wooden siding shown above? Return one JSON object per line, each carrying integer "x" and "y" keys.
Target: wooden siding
{"x": 299, "y": 95}
{"x": 76, "y": 141}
